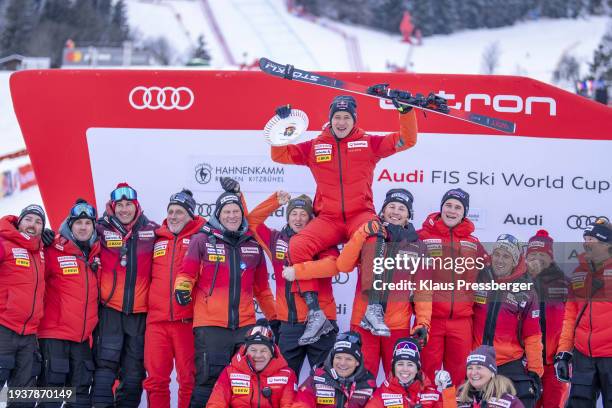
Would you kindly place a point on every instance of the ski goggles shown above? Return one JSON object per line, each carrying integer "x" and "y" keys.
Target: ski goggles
{"x": 124, "y": 193}
{"x": 351, "y": 337}
{"x": 83, "y": 210}
{"x": 406, "y": 348}
{"x": 260, "y": 333}
{"x": 182, "y": 197}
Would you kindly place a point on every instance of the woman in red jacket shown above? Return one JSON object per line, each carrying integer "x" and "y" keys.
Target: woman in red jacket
{"x": 407, "y": 386}
{"x": 258, "y": 375}
{"x": 71, "y": 305}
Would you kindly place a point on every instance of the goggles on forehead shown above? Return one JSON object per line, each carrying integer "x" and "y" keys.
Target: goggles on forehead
{"x": 406, "y": 345}
{"x": 124, "y": 193}
{"x": 181, "y": 197}
{"x": 259, "y": 332}
{"x": 510, "y": 238}
{"x": 350, "y": 337}
{"x": 81, "y": 209}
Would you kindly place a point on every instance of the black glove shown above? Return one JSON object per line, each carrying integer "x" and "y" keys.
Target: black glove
{"x": 401, "y": 108}
{"x": 537, "y": 384}
{"x": 229, "y": 184}
{"x": 275, "y": 326}
{"x": 563, "y": 361}
{"x": 283, "y": 111}
{"x": 47, "y": 236}
{"x": 182, "y": 292}
{"x": 421, "y": 334}
{"x": 374, "y": 228}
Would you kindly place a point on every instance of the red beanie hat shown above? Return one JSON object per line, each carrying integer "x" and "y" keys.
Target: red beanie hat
{"x": 541, "y": 242}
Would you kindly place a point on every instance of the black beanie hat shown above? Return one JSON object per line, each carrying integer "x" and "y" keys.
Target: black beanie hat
{"x": 81, "y": 210}
{"x": 345, "y": 103}
{"x": 227, "y": 198}
{"x": 261, "y": 333}
{"x": 600, "y": 229}
{"x": 406, "y": 348}
{"x": 399, "y": 195}
{"x": 458, "y": 194}
{"x": 185, "y": 199}
{"x": 349, "y": 343}
{"x": 33, "y": 209}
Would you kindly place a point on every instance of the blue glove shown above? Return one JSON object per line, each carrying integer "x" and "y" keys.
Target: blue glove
{"x": 283, "y": 111}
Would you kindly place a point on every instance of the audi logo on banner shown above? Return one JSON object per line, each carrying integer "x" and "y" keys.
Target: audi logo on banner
{"x": 206, "y": 210}
{"x": 166, "y": 98}
{"x": 582, "y": 221}
{"x": 341, "y": 278}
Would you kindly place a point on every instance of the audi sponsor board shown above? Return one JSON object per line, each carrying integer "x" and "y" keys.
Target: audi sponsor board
{"x": 580, "y": 222}
{"x": 166, "y": 98}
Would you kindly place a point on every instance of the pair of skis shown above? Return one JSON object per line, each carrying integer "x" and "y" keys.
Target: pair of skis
{"x": 431, "y": 103}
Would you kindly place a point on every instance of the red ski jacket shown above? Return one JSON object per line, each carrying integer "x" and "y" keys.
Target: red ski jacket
{"x": 588, "y": 313}
{"x": 239, "y": 386}
{"x": 71, "y": 291}
{"x": 22, "y": 278}
{"x": 226, "y": 274}
{"x": 421, "y": 393}
{"x": 125, "y": 287}
{"x": 343, "y": 169}
{"x": 168, "y": 255}
{"x": 451, "y": 243}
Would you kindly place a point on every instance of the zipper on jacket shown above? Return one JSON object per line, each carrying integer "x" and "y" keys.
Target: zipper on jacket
{"x": 493, "y": 307}
{"x": 291, "y": 308}
{"x": 452, "y": 250}
{"x": 34, "y": 300}
{"x": 234, "y": 300}
{"x": 341, "y": 183}
{"x": 129, "y": 287}
{"x": 258, "y": 391}
{"x": 86, "y": 298}
{"x": 590, "y": 326}
{"x": 172, "y": 280}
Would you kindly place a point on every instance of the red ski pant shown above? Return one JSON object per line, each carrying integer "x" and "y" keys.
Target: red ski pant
{"x": 449, "y": 343}
{"x": 375, "y": 348}
{"x": 167, "y": 343}
{"x": 555, "y": 392}
{"x": 321, "y": 233}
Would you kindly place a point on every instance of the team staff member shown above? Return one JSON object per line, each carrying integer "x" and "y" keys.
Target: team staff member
{"x": 586, "y": 338}
{"x": 407, "y": 386}
{"x": 484, "y": 386}
{"x": 449, "y": 234}
{"x": 551, "y": 287}
{"x": 22, "y": 288}
{"x": 225, "y": 268}
{"x": 127, "y": 238}
{"x": 258, "y": 375}
{"x": 375, "y": 309}
{"x": 342, "y": 381}
{"x": 510, "y": 321}
{"x": 71, "y": 305}
{"x": 169, "y": 335}
{"x": 342, "y": 160}
{"x": 291, "y": 308}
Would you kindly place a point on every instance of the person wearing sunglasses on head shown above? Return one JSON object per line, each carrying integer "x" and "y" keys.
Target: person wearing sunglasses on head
{"x": 169, "y": 335}
{"x": 71, "y": 305}
{"x": 586, "y": 337}
{"x": 508, "y": 318}
{"x": 22, "y": 288}
{"x": 407, "y": 386}
{"x": 342, "y": 381}
{"x": 258, "y": 375}
{"x": 223, "y": 271}
{"x": 381, "y": 316}
{"x": 127, "y": 238}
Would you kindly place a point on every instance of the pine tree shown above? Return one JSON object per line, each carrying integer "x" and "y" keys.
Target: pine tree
{"x": 601, "y": 66}
{"x": 21, "y": 17}
{"x": 119, "y": 23}
{"x": 200, "y": 52}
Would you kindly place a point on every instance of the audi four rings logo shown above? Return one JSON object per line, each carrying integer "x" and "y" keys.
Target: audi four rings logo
{"x": 341, "y": 278}
{"x": 582, "y": 221}
{"x": 206, "y": 210}
{"x": 166, "y": 98}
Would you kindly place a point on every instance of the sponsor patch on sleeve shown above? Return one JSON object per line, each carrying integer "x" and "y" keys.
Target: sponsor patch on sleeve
{"x": 278, "y": 380}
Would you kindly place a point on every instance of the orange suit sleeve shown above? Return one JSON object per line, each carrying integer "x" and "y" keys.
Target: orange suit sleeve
{"x": 399, "y": 141}
{"x": 291, "y": 154}
{"x": 566, "y": 342}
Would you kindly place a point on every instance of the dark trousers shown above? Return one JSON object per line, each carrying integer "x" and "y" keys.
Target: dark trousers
{"x": 214, "y": 348}
{"x": 525, "y": 390}
{"x": 591, "y": 377}
{"x": 19, "y": 364}
{"x": 67, "y": 364}
{"x": 295, "y": 354}
{"x": 118, "y": 353}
